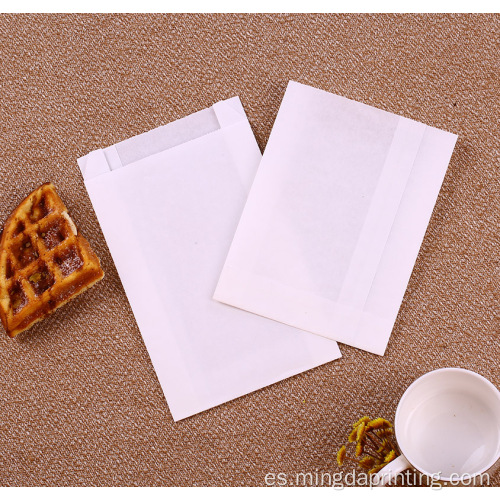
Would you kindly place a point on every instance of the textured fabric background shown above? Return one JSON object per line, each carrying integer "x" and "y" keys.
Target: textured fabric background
{"x": 79, "y": 400}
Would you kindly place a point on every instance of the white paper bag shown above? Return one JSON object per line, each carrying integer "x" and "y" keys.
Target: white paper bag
{"x": 335, "y": 217}
{"x": 168, "y": 202}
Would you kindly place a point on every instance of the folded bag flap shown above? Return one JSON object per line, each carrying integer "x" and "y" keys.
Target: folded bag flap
{"x": 222, "y": 114}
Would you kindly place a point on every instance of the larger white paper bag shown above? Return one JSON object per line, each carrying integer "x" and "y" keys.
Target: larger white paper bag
{"x": 335, "y": 218}
{"x": 168, "y": 202}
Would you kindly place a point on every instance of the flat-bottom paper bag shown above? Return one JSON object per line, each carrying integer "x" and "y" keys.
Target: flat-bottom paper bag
{"x": 335, "y": 218}
{"x": 168, "y": 202}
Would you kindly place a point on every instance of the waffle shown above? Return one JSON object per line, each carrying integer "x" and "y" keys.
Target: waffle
{"x": 44, "y": 262}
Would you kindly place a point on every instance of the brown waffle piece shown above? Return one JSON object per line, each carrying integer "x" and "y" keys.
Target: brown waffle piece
{"x": 44, "y": 262}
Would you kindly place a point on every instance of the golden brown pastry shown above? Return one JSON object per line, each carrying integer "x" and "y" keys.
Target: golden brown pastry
{"x": 44, "y": 262}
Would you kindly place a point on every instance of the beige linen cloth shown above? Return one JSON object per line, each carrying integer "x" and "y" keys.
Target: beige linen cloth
{"x": 80, "y": 403}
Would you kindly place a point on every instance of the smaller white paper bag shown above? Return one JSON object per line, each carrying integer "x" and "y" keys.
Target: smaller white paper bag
{"x": 335, "y": 217}
{"x": 168, "y": 202}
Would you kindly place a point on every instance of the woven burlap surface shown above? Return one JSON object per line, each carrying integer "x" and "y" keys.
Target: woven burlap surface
{"x": 80, "y": 403}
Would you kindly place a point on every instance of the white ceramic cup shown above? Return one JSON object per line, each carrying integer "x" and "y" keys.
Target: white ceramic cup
{"x": 447, "y": 427}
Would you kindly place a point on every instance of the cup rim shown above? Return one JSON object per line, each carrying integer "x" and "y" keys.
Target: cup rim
{"x": 405, "y": 395}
